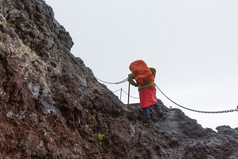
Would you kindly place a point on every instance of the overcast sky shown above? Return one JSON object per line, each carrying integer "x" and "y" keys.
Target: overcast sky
{"x": 192, "y": 44}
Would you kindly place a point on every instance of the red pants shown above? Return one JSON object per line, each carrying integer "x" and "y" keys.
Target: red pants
{"x": 147, "y": 96}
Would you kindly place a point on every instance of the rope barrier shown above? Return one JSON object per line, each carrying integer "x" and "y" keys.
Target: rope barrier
{"x": 130, "y": 95}
{"x": 125, "y": 93}
{"x": 125, "y": 80}
{"x": 198, "y": 111}
{"x": 116, "y": 90}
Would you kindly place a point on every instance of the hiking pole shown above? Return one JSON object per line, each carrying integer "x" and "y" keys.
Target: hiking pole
{"x": 128, "y": 93}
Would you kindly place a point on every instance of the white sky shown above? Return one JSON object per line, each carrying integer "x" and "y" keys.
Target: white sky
{"x": 192, "y": 44}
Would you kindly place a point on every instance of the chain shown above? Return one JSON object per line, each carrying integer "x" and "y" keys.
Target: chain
{"x": 125, "y": 80}
{"x": 130, "y": 95}
{"x": 198, "y": 111}
{"x": 116, "y": 90}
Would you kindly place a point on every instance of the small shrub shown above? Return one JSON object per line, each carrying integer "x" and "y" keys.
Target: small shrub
{"x": 35, "y": 52}
{"x": 131, "y": 151}
{"x": 100, "y": 138}
{"x": 90, "y": 119}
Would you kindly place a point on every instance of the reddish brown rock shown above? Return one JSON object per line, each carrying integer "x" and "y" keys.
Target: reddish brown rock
{"x": 51, "y": 105}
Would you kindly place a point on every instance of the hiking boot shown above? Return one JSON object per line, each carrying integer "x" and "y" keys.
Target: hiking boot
{"x": 148, "y": 125}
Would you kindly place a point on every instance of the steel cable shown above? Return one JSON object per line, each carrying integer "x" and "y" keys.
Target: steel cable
{"x": 116, "y": 90}
{"x": 125, "y": 80}
{"x": 130, "y": 95}
{"x": 198, "y": 111}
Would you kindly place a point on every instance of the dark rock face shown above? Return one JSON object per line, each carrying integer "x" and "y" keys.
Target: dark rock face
{"x": 51, "y": 105}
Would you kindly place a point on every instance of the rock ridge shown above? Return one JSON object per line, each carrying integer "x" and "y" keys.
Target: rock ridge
{"x": 52, "y": 106}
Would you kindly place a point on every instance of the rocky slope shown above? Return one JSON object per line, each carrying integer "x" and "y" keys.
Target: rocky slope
{"x": 51, "y": 105}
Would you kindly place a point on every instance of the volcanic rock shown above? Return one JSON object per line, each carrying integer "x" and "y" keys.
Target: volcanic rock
{"x": 52, "y": 106}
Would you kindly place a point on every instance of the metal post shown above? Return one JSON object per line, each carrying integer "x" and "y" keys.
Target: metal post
{"x": 120, "y": 93}
{"x": 128, "y": 94}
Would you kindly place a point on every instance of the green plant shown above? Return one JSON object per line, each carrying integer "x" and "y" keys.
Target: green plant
{"x": 100, "y": 138}
{"x": 131, "y": 151}
{"x": 90, "y": 118}
{"x": 35, "y": 52}
{"x": 47, "y": 80}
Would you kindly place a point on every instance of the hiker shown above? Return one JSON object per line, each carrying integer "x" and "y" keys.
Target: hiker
{"x": 143, "y": 78}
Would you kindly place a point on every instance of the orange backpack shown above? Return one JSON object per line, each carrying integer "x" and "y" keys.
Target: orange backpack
{"x": 141, "y": 72}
